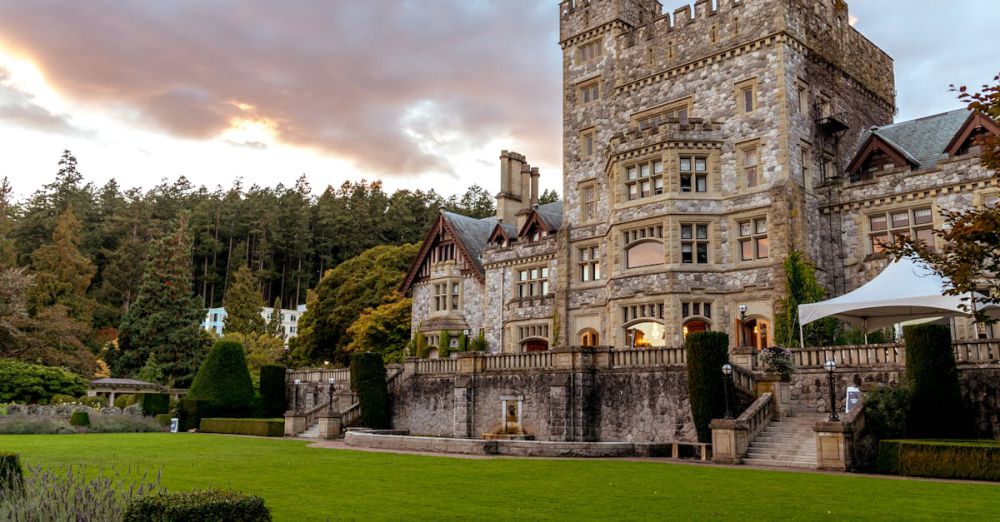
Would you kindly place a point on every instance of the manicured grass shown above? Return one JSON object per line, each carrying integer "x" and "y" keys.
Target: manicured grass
{"x": 302, "y": 483}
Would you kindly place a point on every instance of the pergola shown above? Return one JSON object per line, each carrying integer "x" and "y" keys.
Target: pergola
{"x": 112, "y": 387}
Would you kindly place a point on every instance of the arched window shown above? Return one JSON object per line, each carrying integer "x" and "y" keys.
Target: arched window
{"x": 696, "y": 325}
{"x": 647, "y": 253}
{"x": 645, "y": 334}
{"x": 589, "y": 337}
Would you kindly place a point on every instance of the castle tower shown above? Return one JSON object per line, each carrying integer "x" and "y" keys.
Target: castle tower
{"x": 694, "y": 143}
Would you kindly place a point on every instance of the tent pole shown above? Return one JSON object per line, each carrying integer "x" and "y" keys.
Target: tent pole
{"x": 802, "y": 337}
{"x": 865, "y": 326}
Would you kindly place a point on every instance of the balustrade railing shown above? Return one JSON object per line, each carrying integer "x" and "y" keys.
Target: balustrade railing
{"x": 744, "y": 380}
{"x": 351, "y": 416}
{"x": 977, "y": 351}
{"x": 757, "y": 416}
{"x": 851, "y": 356}
{"x": 647, "y": 357}
{"x": 516, "y": 361}
{"x": 437, "y": 366}
{"x": 341, "y": 376}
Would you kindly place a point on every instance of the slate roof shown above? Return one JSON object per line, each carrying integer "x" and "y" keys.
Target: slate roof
{"x": 475, "y": 233}
{"x": 923, "y": 140}
{"x": 551, "y": 214}
{"x": 114, "y": 382}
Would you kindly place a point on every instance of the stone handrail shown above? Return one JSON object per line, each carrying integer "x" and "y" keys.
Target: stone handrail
{"x": 851, "y": 356}
{"x": 757, "y": 416}
{"x": 395, "y": 379}
{"x": 647, "y": 357}
{"x": 516, "y": 361}
{"x": 437, "y": 366}
{"x": 314, "y": 413}
{"x": 351, "y": 415}
{"x": 744, "y": 380}
{"x": 977, "y": 351}
{"x": 341, "y": 376}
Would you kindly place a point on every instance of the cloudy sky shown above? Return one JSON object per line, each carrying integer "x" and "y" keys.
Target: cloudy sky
{"x": 419, "y": 93}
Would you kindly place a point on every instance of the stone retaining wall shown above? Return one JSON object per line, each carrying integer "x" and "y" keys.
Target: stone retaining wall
{"x": 519, "y": 448}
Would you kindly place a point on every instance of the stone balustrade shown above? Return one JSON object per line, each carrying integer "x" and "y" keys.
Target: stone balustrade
{"x": 731, "y": 438}
{"x": 648, "y": 357}
{"x": 851, "y": 356}
{"x": 341, "y": 376}
{"x": 516, "y": 361}
{"x": 977, "y": 351}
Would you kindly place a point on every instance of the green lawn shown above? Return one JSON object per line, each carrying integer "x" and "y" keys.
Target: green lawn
{"x": 301, "y": 483}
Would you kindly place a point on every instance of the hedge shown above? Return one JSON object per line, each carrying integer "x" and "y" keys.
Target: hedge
{"x": 10, "y": 470}
{"x": 706, "y": 353}
{"x": 164, "y": 419}
{"x": 79, "y": 418}
{"x": 213, "y": 505}
{"x": 190, "y": 412}
{"x": 125, "y": 400}
{"x": 272, "y": 390}
{"x": 974, "y": 460}
{"x": 33, "y": 383}
{"x": 368, "y": 381}
{"x": 936, "y": 405}
{"x": 224, "y": 380}
{"x": 258, "y": 427}
{"x": 154, "y": 404}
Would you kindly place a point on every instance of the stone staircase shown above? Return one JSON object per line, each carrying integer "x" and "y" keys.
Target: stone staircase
{"x": 312, "y": 432}
{"x": 786, "y": 443}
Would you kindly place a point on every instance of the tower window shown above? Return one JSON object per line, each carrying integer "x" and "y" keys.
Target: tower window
{"x": 694, "y": 173}
{"x": 643, "y": 180}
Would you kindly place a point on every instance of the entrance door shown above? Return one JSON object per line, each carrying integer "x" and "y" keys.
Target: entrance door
{"x": 535, "y": 345}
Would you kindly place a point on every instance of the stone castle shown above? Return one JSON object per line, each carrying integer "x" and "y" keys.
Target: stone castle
{"x": 700, "y": 147}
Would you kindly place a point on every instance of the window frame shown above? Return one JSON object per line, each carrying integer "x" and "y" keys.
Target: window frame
{"x": 634, "y": 237}
{"x": 693, "y": 173}
{"x": 531, "y": 286}
{"x": 652, "y": 177}
{"x": 695, "y": 242}
{"x": 742, "y": 89}
{"x": 588, "y": 262}
{"x": 752, "y": 239}
{"x": 588, "y": 91}
{"x": 911, "y": 229}
{"x": 588, "y": 144}
{"x": 588, "y": 201}
{"x": 677, "y": 109}
{"x": 589, "y": 52}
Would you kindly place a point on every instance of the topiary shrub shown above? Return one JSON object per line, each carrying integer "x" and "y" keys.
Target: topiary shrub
{"x": 256, "y": 427}
{"x": 444, "y": 344}
{"x": 420, "y": 348}
{"x": 190, "y": 412}
{"x": 706, "y": 353}
{"x": 124, "y": 401}
{"x": 272, "y": 390}
{"x": 368, "y": 381}
{"x": 79, "y": 418}
{"x": 154, "y": 404}
{"x": 936, "y": 405}
{"x": 214, "y": 505}
{"x": 478, "y": 343}
{"x": 11, "y": 474}
{"x": 224, "y": 380}
{"x": 32, "y": 383}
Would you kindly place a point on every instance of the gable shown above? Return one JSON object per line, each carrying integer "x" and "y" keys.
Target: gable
{"x": 442, "y": 244}
{"x": 978, "y": 124}
{"x": 880, "y": 151}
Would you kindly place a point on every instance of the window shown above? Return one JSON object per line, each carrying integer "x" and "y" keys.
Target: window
{"x": 749, "y": 162}
{"x": 825, "y": 108}
{"x": 694, "y": 243}
{"x": 670, "y": 50}
{"x": 589, "y": 338}
{"x": 440, "y": 297}
{"x": 644, "y": 247}
{"x": 693, "y": 315}
{"x": 746, "y": 96}
{"x": 713, "y": 34}
{"x": 590, "y": 264}
{"x": 532, "y": 330}
{"x": 447, "y": 295}
{"x": 991, "y": 200}
{"x": 443, "y": 253}
{"x": 753, "y": 239}
{"x": 590, "y": 91}
{"x": 587, "y": 143}
{"x": 588, "y": 201}
{"x": 533, "y": 282}
{"x": 645, "y": 334}
{"x": 456, "y": 290}
{"x": 898, "y": 224}
{"x": 643, "y": 180}
{"x": 826, "y": 170}
{"x": 802, "y": 98}
{"x": 674, "y": 111}
{"x": 694, "y": 173}
{"x": 589, "y": 51}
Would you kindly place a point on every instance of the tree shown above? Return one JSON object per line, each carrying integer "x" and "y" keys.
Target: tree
{"x": 224, "y": 380}
{"x": 165, "y": 319}
{"x": 477, "y": 202}
{"x": 969, "y": 256}
{"x": 801, "y": 288}
{"x": 62, "y": 273}
{"x": 151, "y": 372}
{"x": 8, "y": 254}
{"x": 548, "y": 196}
{"x": 384, "y": 329}
{"x": 706, "y": 353}
{"x": 261, "y": 349}
{"x": 243, "y": 303}
{"x": 274, "y": 327}
{"x": 343, "y": 295}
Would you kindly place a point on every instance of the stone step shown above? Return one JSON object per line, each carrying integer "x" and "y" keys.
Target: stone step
{"x": 783, "y": 438}
{"x": 779, "y": 464}
{"x": 782, "y": 446}
{"x": 805, "y": 459}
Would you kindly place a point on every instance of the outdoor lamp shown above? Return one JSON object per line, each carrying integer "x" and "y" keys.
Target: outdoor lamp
{"x": 743, "y": 324}
{"x": 830, "y": 366}
{"x": 727, "y": 370}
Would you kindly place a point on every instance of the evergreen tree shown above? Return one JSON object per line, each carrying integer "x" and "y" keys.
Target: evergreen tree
{"x": 8, "y": 255}
{"x": 62, "y": 273}
{"x": 801, "y": 288}
{"x": 548, "y": 196}
{"x": 243, "y": 303}
{"x": 274, "y": 326}
{"x": 165, "y": 319}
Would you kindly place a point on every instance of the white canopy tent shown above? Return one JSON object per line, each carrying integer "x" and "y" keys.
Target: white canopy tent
{"x": 906, "y": 291}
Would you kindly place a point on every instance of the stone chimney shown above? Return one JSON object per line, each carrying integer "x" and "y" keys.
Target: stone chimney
{"x": 534, "y": 186}
{"x": 509, "y": 199}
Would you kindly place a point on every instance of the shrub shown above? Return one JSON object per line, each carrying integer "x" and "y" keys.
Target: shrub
{"x": 93, "y": 402}
{"x": 74, "y": 494}
{"x": 258, "y": 427}
{"x": 975, "y": 460}
{"x": 224, "y": 380}
{"x": 886, "y": 411}
{"x": 368, "y": 381}
{"x": 190, "y": 412}
{"x": 777, "y": 360}
{"x": 164, "y": 419}
{"x": 33, "y": 425}
{"x": 444, "y": 344}
{"x": 420, "y": 348}
{"x": 214, "y": 505}
{"x": 706, "y": 353}
{"x": 60, "y": 398}
{"x": 478, "y": 343}
{"x": 154, "y": 403}
{"x": 79, "y": 418}
{"x": 32, "y": 383}
{"x": 936, "y": 405}
{"x": 272, "y": 390}
{"x": 123, "y": 424}
{"x": 10, "y": 472}
{"x": 126, "y": 400}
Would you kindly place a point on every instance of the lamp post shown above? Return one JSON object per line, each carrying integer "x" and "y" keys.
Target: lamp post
{"x": 727, "y": 370}
{"x": 830, "y": 366}
{"x": 743, "y": 324}
{"x": 333, "y": 383}
{"x": 295, "y": 396}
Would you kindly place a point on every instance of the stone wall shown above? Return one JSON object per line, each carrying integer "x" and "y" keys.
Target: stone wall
{"x": 981, "y": 388}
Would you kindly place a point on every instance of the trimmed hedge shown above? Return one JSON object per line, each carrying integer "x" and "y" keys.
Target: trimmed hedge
{"x": 209, "y": 505}
{"x": 272, "y": 390}
{"x": 32, "y": 383}
{"x": 975, "y": 460}
{"x": 10, "y": 470}
{"x": 79, "y": 418}
{"x": 258, "y": 427}
{"x": 154, "y": 404}
{"x": 937, "y": 409}
{"x": 164, "y": 419}
{"x": 126, "y": 400}
{"x": 706, "y": 353}
{"x": 368, "y": 381}
{"x": 190, "y": 412}
{"x": 224, "y": 380}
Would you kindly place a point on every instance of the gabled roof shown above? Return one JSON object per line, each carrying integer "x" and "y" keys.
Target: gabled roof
{"x": 502, "y": 230}
{"x": 922, "y": 141}
{"x": 548, "y": 216}
{"x": 973, "y": 123}
{"x": 472, "y": 233}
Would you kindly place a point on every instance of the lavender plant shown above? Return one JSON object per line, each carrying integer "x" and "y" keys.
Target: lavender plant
{"x": 75, "y": 494}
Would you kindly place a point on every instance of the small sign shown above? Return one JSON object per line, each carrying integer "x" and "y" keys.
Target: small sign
{"x": 853, "y": 397}
{"x": 175, "y": 425}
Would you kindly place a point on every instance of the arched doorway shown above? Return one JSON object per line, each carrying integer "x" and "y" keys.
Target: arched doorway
{"x": 645, "y": 334}
{"x": 589, "y": 337}
{"x": 534, "y": 345}
{"x": 696, "y": 325}
{"x": 756, "y": 332}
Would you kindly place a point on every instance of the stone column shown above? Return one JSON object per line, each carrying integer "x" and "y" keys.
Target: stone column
{"x": 834, "y": 451}
{"x": 780, "y": 392}
{"x": 730, "y": 440}
{"x": 329, "y": 425}
{"x": 560, "y": 412}
{"x": 462, "y": 420}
